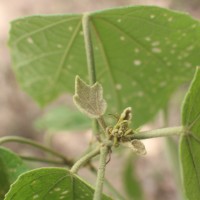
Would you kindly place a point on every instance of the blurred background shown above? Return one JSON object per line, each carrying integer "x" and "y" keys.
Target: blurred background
{"x": 19, "y": 112}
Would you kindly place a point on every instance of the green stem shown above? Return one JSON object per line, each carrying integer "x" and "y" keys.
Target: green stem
{"x": 89, "y": 48}
{"x": 84, "y": 160}
{"x": 90, "y": 60}
{"x": 36, "y": 145}
{"x": 108, "y": 184}
{"x": 101, "y": 173}
{"x": 163, "y": 132}
{"x": 102, "y": 123}
{"x": 34, "y": 159}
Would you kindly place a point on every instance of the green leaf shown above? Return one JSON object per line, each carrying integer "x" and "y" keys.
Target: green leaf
{"x": 190, "y": 141}
{"x": 11, "y": 166}
{"x": 50, "y": 184}
{"x": 141, "y": 53}
{"x": 130, "y": 181}
{"x": 63, "y": 118}
{"x": 89, "y": 99}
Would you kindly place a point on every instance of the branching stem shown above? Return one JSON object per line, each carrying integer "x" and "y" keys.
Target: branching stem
{"x": 163, "y": 132}
{"x": 84, "y": 160}
{"x": 26, "y": 141}
{"x": 101, "y": 173}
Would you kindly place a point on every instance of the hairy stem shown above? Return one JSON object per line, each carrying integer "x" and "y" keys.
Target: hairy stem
{"x": 108, "y": 184}
{"x": 163, "y": 132}
{"x": 26, "y": 141}
{"x": 90, "y": 60}
{"x": 102, "y": 123}
{"x": 101, "y": 173}
{"x": 84, "y": 160}
{"x": 89, "y": 48}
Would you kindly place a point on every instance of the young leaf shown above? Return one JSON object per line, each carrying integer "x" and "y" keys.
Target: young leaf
{"x": 89, "y": 99}
{"x": 131, "y": 183}
{"x": 11, "y": 166}
{"x": 190, "y": 141}
{"x": 141, "y": 53}
{"x": 138, "y": 147}
{"x": 50, "y": 184}
{"x": 63, "y": 118}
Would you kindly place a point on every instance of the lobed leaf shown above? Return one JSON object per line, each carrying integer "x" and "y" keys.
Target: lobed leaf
{"x": 89, "y": 99}
{"x": 141, "y": 53}
{"x": 190, "y": 141}
{"x": 50, "y": 184}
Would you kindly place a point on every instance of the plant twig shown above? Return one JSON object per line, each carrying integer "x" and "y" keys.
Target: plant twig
{"x": 90, "y": 61}
{"x": 84, "y": 160}
{"x": 163, "y": 132}
{"x": 101, "y": 173}
{"x": 26, "y": 141}
{"x": 107, "y": 183}
{"x": 89, "y": 48}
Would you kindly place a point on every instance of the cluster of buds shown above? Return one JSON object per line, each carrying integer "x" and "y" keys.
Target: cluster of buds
{"x": 119, "y": 132}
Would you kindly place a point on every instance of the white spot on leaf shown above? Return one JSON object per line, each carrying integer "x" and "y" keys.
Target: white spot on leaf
{"x": 30, "y": 40}
{"x": 156, "y": 43}
{"x": 35, "y": 196}
{"x": 140, "y": 94}
{"x": 119, "y": 20}
{"x": 57, "y": 189}
{"x": 156, "y": 50}
{"x": 136, "y": 50}
{"x": 152, "y": 16}
{"x": 147, "y": 39}
{"x": 122, "y": 38}
{"x": 137, "y": 62}
{"x": 70, "y": 28}
{"x": 59, "y": 46}
{"x": 118, "y": 86}
{"x": 170, "y": 19}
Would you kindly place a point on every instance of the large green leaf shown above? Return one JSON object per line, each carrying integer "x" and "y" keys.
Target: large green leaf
{"x": 11, "y": 166}
{"x": 142, "y": 55}
{"x": 63, "y": 118}
{"x": 50, "y": 184}
{"x": 190, "y": 141}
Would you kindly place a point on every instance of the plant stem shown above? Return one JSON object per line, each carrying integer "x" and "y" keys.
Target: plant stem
{"x": 36, "y": 145}
{"x": 84, "y": 160}
{"x": 101, "y": 173}
{"x": 108, "y": 184}
{"x": 34, "y": 159}
{"x": 102, "y": 123}
{"x": 89, "y": 48}
{"x": 163, "y": 132}
{"x": 90, "y": 60}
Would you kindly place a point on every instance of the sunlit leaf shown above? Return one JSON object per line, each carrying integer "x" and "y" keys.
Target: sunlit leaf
{"x": 50, "y": 184}
{"x": 142, "y": 54}
{"x": 190, "y": 141}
